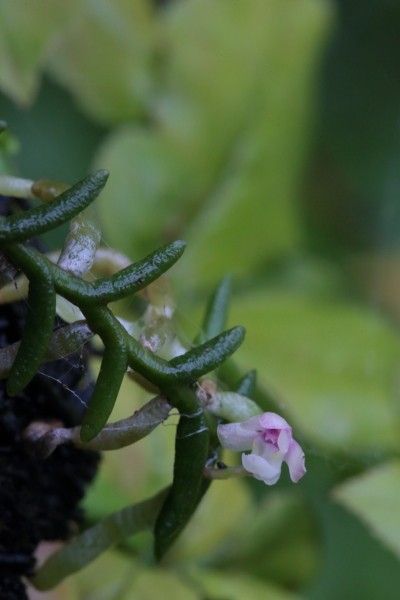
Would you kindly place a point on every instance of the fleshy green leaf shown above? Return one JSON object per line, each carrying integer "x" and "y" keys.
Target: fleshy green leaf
{"x": 138, "y": 275}
{"x": 87, "y": 546}
{"x": 46, "y": 217}
{"x": 247, "y": 384}
{"x": 206, "y": 357}
{"x": 217, "y": 310}
{"x": 333, "y": 364}
{"x": 374, "y": 497}
{"x": 111, "y": 374}
{"x": 37, "y": 333}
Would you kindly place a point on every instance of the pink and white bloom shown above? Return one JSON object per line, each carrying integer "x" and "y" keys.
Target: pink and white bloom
{"x": 269, "y": 437}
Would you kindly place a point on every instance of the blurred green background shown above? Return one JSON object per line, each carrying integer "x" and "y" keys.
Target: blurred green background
{"x": 266, "y": 133}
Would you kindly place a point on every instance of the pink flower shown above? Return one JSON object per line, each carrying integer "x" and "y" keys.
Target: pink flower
{"x": 269, "y": 437}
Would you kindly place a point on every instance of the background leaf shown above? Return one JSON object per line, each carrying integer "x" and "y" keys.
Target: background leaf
{"x": 229, "y": 139}
{"x": 198, "y": 540}
{"x": 251, "y": 206}
{"x": 353, "y": 564}
{"x": 374, "y": 497}
{"x": 104, "y": 55}
{"x": 27, "y": 28}
{"x": 340, "y": 388}
{"x": 236, "y": 587}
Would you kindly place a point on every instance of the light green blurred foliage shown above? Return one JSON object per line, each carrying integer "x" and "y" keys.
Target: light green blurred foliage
{"x": 280, "y": 521}
{"x": 115, "y": 577}
{"x": 215, "y": 519}
{"x": 333, "y": 364}
{"x": 104, "y": 57}
{"x": 235, "y": 587}
{"x": 221, "y": 165}
{"x": 27, "y": 30}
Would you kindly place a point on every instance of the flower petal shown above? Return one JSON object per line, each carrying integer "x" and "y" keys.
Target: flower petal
{"x": 295, "y": 461}
{"x": 239, "y": 436}
{"x": 261, "y": 469}
{"x": 284, "y": 440}
{"x": 270, "y": 420}
{"x": 267, "y": 451}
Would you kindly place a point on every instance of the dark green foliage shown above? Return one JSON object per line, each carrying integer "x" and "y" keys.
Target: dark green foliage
{"x": 38, "y": 220}
{"x": 112, "y": 370}
{"x": 208, "y": 356}
{"x": 216, "y": 315}
{"x": 247, "y": 385}
{"x": 37, "y": 332}
{"x": 104, "y": 290}
{"x": 196, "y": 438}
{"x": 137, "y": 276}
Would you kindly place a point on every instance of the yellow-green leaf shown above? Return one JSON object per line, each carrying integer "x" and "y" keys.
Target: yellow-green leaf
{"x": 104, "y": 57}
{"x": 27, "y": 29}
{"x": 251, "y": 98}
{"x": 205, "y": 532}
{"x": 220, "y": 165}
{"x": 333, "y": 364}
{"x": 235, "y": 586}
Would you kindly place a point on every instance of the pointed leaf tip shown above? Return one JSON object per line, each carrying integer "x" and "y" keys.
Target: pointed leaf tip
{"x": 101, "y": 174}
{"x": 67, "y": 205}
{"x": 179, "y": 244}
{"x": 175, "y": 248}
{"x": 247, "y": 385}
{"x": 137, "y": 275}
{"x": 217, "y": 309}
{"x": 208, "y": 356}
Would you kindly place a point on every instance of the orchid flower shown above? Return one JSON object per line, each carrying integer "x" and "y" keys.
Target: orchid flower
{"x": 269, "y": 437}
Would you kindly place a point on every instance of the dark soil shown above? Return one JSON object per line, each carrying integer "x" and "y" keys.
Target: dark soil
{"x": 39, "y": 499}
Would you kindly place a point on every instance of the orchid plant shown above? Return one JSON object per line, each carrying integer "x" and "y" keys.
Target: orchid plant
{"x": 149, "y": 351}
